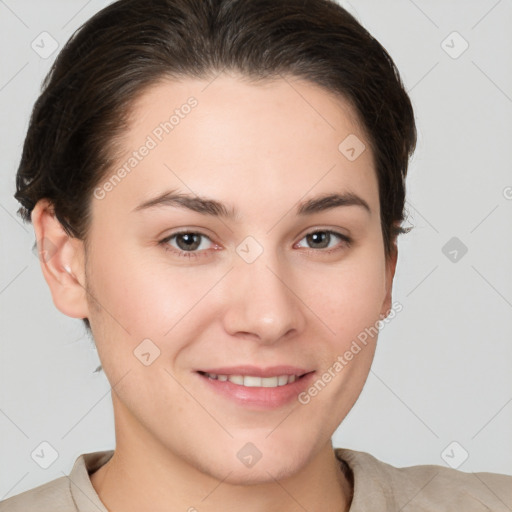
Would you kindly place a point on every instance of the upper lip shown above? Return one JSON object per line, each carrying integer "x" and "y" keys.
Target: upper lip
{"x": 272, "y": 371}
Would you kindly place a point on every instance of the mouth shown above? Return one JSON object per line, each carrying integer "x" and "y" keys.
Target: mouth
{"x": 254, "y": 391}
{"x": 254, "y": 381}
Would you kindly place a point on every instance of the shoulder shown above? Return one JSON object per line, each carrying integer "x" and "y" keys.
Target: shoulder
{"x": 71, "y": 493}
{"x": 53, "y": 496}
{"x": 425, "y": 487}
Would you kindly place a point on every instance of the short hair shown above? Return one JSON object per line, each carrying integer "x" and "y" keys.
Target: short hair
{"x": 130, "y": 45}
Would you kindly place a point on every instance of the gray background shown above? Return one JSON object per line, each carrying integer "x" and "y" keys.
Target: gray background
{"x": 442, "y": 371}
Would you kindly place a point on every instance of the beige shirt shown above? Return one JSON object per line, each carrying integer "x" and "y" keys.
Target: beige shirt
{"x": 378, "y": 487}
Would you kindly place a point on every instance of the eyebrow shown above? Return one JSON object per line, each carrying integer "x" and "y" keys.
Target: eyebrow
{"x": 207, "y": 206}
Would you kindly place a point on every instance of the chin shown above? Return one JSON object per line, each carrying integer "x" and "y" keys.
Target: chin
{"x": 242, "y": 463}
{"x": 259, "y": 474}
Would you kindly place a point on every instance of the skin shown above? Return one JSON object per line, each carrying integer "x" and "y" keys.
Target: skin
{"x": 260, "y": 148}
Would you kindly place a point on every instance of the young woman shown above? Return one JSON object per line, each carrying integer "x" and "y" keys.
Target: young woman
{"x": 216, "y": 188}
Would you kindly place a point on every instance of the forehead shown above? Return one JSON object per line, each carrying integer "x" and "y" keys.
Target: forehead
{"x": 288, "y": 102}
{"x": 225, "y": 135}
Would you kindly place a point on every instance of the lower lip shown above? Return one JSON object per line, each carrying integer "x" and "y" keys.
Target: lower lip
{"x": 259, "y": 397}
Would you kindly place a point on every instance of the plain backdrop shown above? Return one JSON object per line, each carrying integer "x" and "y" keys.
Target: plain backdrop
{"x": 440, "y": 389}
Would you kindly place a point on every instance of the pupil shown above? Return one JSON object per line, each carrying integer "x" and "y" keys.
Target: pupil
{"x": 190, "y": 240}
{"x": 319, "y": 237}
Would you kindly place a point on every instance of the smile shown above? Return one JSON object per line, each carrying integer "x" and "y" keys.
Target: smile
{"x": 251, "y": 381}
{"x": 255, "y": 392}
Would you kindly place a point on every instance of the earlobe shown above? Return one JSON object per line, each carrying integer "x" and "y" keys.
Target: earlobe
{"x": 62, "y": 261}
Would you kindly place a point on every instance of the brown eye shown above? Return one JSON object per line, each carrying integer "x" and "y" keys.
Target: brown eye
{"x": 322, "y": 239}
{"x": 319, "y": 239}
{"x": 187, "y": 243}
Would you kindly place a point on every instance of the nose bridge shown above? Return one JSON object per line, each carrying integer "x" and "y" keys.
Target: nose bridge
{"x": 262, "y": 301}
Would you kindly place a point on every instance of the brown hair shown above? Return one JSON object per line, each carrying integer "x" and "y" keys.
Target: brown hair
{"x": 131, "y": 44}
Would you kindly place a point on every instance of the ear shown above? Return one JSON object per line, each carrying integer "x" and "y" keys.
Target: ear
{"x": 390, "y": 273}
{"x": 62, "y": 261}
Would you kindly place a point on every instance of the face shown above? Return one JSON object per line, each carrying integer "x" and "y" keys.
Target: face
{"x": 262, "y": 280}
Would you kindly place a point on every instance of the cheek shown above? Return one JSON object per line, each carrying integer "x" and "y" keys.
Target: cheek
{"x": 349, "y": 303}
{"x": 350, "y": 298}
{"x": 140, "y": 296}
{"x": 145, "y": 300}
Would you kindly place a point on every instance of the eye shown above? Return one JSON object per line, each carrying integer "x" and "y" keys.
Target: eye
{"x": 189, "y": 243}
{"x": 321, "y": 239}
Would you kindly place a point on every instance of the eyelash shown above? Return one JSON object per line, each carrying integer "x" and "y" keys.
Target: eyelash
{"x": 194, "y": 254}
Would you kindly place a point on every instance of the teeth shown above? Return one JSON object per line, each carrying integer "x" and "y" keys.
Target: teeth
{"x": 236, "y": 379}
{"x": 282, "y": 380}
{"x": 252, "y": 381}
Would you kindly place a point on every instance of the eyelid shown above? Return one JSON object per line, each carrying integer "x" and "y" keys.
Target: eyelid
{"x": 194, "y": 254}
{"x": 346, "y": 241}
{"x": 341, "y": 232}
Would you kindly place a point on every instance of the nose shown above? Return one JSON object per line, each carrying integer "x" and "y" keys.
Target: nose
{"x": 262, "y": 302}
